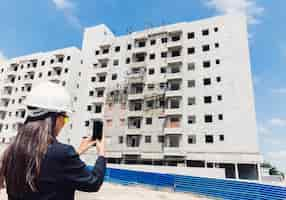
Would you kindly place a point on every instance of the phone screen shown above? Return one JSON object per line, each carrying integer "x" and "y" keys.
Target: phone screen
{"x": 97, "y": 130}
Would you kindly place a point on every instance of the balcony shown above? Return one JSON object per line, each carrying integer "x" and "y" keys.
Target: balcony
{"x": 173, "y": 111}
{"x": 6, "y": 95}
{"x": 175, "y": 44}
{"x": 136, "y": 64}
{"x": 7, "y": 89}
{"x": 134, "y": 125}
{"x": 135, "y": 96}
{"x": 139, "y": 50}
{"x": 102, "y": 84}
{"x": 136, "y": 79}
{"x": 174, "y": 88}
{"x": 8, "y": 83}
{"x": 140, "y": 44}
{"x": 11, "y": 78}
{"x": 101, "y": 66}
{"x": 4, "y": 102}
{"x": 96, "y": 99}
{"x": 11, "y": 73}
{"x": 172, "y": 144}
{"x": 139, "y": 60}
{"x": 57, "y": 65}
{"x": 135, "y": 113}
{"x": 177, "y": 130}
{"x": 27, "y": 81}
{"x": 173, "y": 125}
{"x": 2, "y": 121}
{"x": 94, "y": 115}
{"x": 100, "y": 70}
{"x": 135, "y": 91}
{"x": 136, "y": 76}
{"x": 103, "y": 57}
{"x": 13, "y": 68}
{"x": 21, "y": 113}
{"x": 28, "y": 77}
{"x": 174, "y": 59}
{"x": 57, "y": 71}
{"x": 172, "y": 76}
{"x": 174, "y": 93}
{"x": 173, "y": 151}
{"x": 135, "y": 108}
{"x": 133, "y": 143}
{"x": 55, "y": 80}
{"x": 3, "y": 107}
{"x": 156, "y": 92}
{"x": 2, "y": 115}
{"x": 132, "y": 150}
{"x": 174, "y": 107}
{"x": 133, "y": 131}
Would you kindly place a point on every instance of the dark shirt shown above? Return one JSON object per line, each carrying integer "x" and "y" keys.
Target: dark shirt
{"x": 62, "y": 172}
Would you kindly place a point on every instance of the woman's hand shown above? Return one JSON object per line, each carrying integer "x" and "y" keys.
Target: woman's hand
{"x": 85, "y": 144}
{"x": 100, "y": 146}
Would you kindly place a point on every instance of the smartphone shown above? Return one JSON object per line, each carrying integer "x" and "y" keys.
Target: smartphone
{"x": 97, "y": 130}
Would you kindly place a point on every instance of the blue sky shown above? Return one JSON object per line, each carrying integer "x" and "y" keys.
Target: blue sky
{"x": 32, "y": 25}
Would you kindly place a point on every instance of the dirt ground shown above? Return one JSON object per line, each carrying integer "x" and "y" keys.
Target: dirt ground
{"x": 120, "y": 192}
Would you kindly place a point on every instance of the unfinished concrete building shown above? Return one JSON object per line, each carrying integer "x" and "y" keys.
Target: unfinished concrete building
{"x": 19, "y": 75}
{"x": 174, "y": 95}
{"x": 177, "y": 95}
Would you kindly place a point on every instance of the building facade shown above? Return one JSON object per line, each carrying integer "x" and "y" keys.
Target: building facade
{"x": 177, "y": 95}
{"x": 19, "y": 75}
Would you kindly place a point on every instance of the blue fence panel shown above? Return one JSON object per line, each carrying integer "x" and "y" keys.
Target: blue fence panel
{"x": 218, "y": 188}
{"x": 236, "y": 189}
{"x": 146, "y": 178}
{"x": 155, "y": 179}
{"x": 165, "y": 180}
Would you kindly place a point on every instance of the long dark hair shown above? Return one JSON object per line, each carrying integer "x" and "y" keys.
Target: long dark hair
{"x": 21, "y": 162}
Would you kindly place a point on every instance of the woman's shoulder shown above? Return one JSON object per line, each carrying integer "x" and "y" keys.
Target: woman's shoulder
{"x": 60, "y": 150}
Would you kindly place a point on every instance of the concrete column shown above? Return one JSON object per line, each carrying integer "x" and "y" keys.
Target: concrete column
{"x": 236, "y": 170}
{"x": 123, "y": 160}
{"x": 259, "y": 171}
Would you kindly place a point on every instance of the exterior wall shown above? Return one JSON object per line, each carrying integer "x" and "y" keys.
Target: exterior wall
{"x": 237, "y": 106}
{"x": 65, "y": 78}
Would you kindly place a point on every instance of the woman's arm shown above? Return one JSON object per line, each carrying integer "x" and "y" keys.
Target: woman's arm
{"x": 76, "y": 175}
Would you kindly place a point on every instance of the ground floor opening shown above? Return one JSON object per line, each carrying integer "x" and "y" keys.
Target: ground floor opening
{"x": 232, "y": 170}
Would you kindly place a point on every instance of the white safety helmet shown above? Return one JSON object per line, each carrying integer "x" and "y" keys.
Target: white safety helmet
{"x": 48, "y": 97}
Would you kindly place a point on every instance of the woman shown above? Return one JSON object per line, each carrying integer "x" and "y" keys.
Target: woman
{"x": 36, "y": 166}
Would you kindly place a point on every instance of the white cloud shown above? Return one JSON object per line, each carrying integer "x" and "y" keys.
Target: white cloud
{"x": 279, "y": 91}
{"x": 278, "y": 122}
{"x": 2, "y": 56}
{"x": 247, "y": 7}
{"x": 278, "y": 154}
{"x": 262, "y": 130}
{"x": 63, "y": 4}
{"x": 271, "y": 141}
{"x": 68, "y": 7}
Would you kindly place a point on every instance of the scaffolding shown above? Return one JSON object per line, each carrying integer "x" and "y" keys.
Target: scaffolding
{"x": 154, "y": 98}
